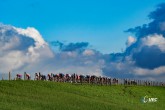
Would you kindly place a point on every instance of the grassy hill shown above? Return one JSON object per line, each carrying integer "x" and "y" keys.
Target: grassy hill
{"x": 44, "y": 95}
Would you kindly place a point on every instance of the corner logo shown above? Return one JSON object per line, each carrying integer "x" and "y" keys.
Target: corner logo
{"x": 147, "y": 99}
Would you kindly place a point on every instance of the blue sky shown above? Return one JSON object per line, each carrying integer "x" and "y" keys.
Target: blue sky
{"x": 87, "y": 37}
{"x": 99, "y": 22}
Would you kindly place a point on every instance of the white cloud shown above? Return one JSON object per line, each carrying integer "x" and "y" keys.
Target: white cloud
{"x": 12, "y": 60}
{"x": 130, "y": 41}
{"x": 154, "y": 40}
{"x": 88, "y": 52}
{"x": 20, "y": 47}
{"x": 33, "y": 33}
{"x": 25, "y": 50}
{"x": 155, "y": 72}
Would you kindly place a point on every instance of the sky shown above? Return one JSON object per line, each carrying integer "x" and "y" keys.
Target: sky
{"x": 101, "y": 23}
{"x": 114, "y": 38}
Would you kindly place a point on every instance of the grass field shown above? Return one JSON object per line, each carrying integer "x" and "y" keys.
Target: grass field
{"x": 44, "y": 95}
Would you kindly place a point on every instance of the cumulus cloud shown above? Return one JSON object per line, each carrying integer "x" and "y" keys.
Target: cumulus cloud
{"x": 154, "y": 40}
{"x": 20, "y": 47}
{"x": 144, "y": 56}
{"x": 156, "y": 26}
{"x": 25, "y": 50}
{"x": 130, "y": 41}
{"x": 155, "y": 72}
{"x": 32, "y": 33}
{"x": 148, "y": 51}
{"x": 88, "y": 52}
{"x": 149, "y": 57}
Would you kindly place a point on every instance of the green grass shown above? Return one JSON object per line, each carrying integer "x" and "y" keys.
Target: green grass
{"x": 44, "y": 95}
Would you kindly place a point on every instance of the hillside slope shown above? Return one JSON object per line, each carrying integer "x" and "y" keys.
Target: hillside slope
{"x": 44, "y": 95}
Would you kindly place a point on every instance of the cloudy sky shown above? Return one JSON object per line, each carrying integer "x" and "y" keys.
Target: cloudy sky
{"x": 124, "y": 39}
